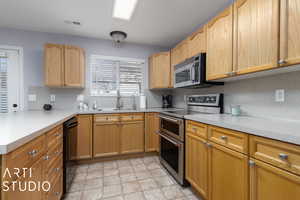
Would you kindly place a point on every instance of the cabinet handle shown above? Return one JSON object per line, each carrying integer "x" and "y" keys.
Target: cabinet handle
{"x": 56, "y": 169}
{"x": 47, "y": 157}
{"x": 194, "y": 129}
{"x": 209, "y": 145}
{"x": 283, "y": 156}
{"x": 282, "y": 62}
{"x": 33, "y": 152}
{"x": 231, "y": 73}
{"x": 223, "y": 137}
{"x": 251, "y": 163}
{"x": 56, "y": 193}
{"x": 58, "y": 134}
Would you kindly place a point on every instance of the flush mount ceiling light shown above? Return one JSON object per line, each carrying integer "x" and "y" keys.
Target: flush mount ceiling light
{"x": 123, "y": 9}
{"x": 118, "y": 37}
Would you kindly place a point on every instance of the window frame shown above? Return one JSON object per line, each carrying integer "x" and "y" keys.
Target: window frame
{"x": 116, "y": 58}
{"x": 20, "y": 50}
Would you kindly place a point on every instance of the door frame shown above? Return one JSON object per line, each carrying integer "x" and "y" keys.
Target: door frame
{"x": 21, "y": 78}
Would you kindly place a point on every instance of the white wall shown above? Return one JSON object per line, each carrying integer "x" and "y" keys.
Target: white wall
{"x": 257, "y": 95}
{"x": 32, "y": 43}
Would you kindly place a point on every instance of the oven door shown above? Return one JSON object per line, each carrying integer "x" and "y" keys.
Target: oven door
{"x": 174, "y": 127}
{"x": 172, "y": 156}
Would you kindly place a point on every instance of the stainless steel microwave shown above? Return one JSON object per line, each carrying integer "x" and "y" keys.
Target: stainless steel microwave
{"x": 191, "y": 72}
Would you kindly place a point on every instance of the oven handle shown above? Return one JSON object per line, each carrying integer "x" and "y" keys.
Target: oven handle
{"x": 167, "y": 138}
{"x": 169, "y": 119}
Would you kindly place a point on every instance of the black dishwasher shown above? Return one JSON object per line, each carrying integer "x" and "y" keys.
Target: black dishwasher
{"x": 69, "y": 127}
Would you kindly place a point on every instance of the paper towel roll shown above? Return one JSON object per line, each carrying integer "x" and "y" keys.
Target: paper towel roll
{"x": 142, "y": 101}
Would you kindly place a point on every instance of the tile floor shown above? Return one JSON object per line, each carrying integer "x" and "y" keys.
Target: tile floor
{"x": 132, "y": 179}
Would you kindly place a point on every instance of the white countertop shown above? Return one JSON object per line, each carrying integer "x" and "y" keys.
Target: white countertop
{"x": 16, "y": 129}
{"x": 278, "y": 129}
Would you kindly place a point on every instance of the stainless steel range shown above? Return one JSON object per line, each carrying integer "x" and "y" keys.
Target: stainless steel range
{"x": 172, "y": 131}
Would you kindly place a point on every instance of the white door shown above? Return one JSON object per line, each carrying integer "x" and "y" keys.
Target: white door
{"x": 10, "y": 80}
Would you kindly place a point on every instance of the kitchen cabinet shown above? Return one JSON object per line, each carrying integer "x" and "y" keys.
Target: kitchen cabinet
{"x": 54, "y": 65}
{"x": 256, "y": 41}
{"x": 64, "y": 66}
{"x": 74, "y": 66}
{"x": 269, "y": 182}
{"x": 197, "y": 42}
{"x": 197, "y": 163}
{"x": 132, "y": 137}
{"x": 106, "y": 139}
{"x": 220, "y": 45}
{"x": 228, "y": 171}
{"x": 151, "y": 127}
{"x": 289, "y": 32}
{"x": 160, "y": 71}
{"x": 80, "y": 139}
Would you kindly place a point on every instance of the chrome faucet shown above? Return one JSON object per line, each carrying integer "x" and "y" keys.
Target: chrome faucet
{"x": 119, "y": 103}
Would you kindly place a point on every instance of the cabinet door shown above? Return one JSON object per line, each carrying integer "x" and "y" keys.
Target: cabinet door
{"x": 197, "y": 42}
{"x": 219, "y": 45}
{"x": 256, "y": 29}
{"x": 80, "y": 139}
{"x": 36, "y": 176}
{"x": 132, "y": 137}
{"x": 54, "y": 65}
{"x": 197, "y": 163}
{"x": 228, "y": 174}
{"x": 74, "y": 67}
{"x": 151, "y": 127}
{"x": 106, "y": 139}
{"x": 289, "y": 32}
{"x": 269, "y": 182}
{"x": 160, "y": 70}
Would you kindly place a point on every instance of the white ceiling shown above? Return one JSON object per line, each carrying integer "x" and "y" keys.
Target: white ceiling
{"x": 155, "y": 22}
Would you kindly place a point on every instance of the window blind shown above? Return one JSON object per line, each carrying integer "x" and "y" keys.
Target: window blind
{"x": 3, "y": 83}
{"x": 111, "y": 74}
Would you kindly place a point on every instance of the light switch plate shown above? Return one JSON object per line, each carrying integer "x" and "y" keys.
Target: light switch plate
{"x": 52, "y": 98}
{"x": 32, "y": 97}
{"x": 80, "y": 97}
{"x": 279, "y": 95}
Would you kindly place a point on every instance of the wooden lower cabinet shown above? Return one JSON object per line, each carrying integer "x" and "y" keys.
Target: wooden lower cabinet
{"x": 80, "y": 139}
{"x": 228, "y": 171}
{"x": 106, "y": 139}
{"x": 132, "y": 137}
{"x": 20, "y": 190}
{"x": 268, "y": 182}
{"x": 197, "y": 163}
{"x": 151, "y": 127}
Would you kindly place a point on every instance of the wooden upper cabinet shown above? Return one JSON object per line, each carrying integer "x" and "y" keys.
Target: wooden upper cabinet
{"x": 197, "y": 42}
{"x": 160, "y": 70}
{"x": 80, "y": 139}
{"x": 54, "y": 64}
{"x": 64, "y": 66}
{"x": 180, "y": 52}
{"x": 289, "y": 32}
{"x": 256, "y": 29}
{"x": 74, "y": 66}
{"x": 220, "y": 45}
{"x": 269, "y": 182}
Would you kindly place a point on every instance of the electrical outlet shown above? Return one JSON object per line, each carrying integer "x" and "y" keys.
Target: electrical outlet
{"x": 52, "y": 98}
{"x": 80, "y": 97}
{"x": 279, "y": 95}
{"x": 32, "y": 97}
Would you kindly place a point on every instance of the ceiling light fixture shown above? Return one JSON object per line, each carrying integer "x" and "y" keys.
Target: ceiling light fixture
{"x": 118, "y": 37}
{"x": 123, "y": 9}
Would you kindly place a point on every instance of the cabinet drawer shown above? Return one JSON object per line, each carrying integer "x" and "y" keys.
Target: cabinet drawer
{"x": 53, "y": 154}
{"x": 132, "y": 117}
{"x": 55, "y": 170}
{"x": 106, "y": 118}
{"x": 54, "y": 136}
{"x": 55, "y": 192}
{"x": 197, "y": 129}
{"x": 25, "y": 156}
{"x": 232, "y": 139}
{"x": 280, "y": 154}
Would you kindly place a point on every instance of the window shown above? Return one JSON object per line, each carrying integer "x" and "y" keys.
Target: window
{"x": 10, "y": 79}
{"x": 110, "y": 74}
